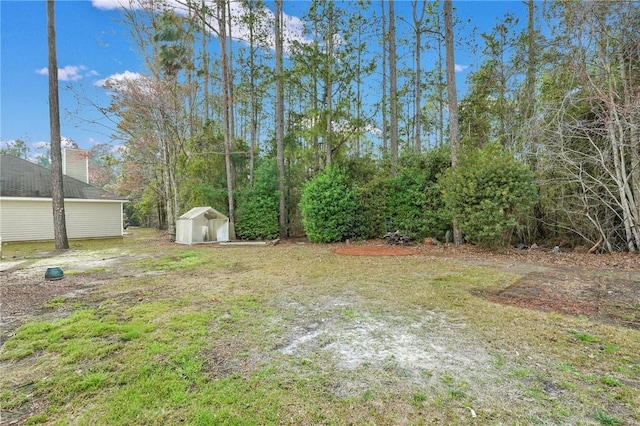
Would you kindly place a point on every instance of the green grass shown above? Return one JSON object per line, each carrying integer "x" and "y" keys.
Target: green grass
{"x": 209, "y": 342}
{"x": 605, "y": 419}
{"x": 34, "y": 248}
{"x": 180, "y": 260}
{"x": 55, "y": 302}
{"x": 583, "y": 337}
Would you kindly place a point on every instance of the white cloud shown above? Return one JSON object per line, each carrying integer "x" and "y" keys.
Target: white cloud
{"x": 294, "y": 26}
{"x": 65, "y": 142}
{"x": 70, "y": 72}
{"x": 460, "y": 68}
{"x": 119, "y": 81}
{"x": 110, "y": 4}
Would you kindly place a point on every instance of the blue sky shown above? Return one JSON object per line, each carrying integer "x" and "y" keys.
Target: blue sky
{"x": 92, "y": 45}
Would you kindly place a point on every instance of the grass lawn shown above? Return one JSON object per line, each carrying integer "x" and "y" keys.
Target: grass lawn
{"x": 296, "y": 334}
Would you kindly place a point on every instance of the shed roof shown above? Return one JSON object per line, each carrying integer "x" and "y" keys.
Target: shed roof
{"x": 21, "y": 178}
{"x": 208, "y": 212}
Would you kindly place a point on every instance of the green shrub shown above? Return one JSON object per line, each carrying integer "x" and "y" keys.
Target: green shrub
{"x": 257, "y": 212}
{"x": 371, "y": 213}
{"x": 487, "y": 194}
{"x": 414, "y": 199}
{"x": 410, "y": 202}
{"x": 328, "y": 207}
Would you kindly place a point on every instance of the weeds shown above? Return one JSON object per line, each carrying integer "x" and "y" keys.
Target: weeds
{"x": 583, "y": 337}
{"x": 182, "y": 260}
{"x": 610, "y": 381}
{"x": 55, "y": 302}
{"x": 604, "y": 418}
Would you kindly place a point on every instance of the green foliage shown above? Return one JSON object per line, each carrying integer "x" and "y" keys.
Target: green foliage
{"x": 328, "y": 207}
{"x": 487, "y": 194}
{"x": 257, "y": 212}
{"x": 203, "y": 181}
{"x": 204, "y": 194}
{"x": 363, "y": 174}
{"x": 411, "y": 201}
{"x": 371, "y": 216}
{"x": 17, "y": 148}
{"x": 147, "y": 205}
{"x": 131, "y": 215}
{"x": 414, "y": 201}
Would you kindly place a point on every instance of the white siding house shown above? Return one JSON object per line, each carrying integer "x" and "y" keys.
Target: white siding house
{"x": 26, "y": 205}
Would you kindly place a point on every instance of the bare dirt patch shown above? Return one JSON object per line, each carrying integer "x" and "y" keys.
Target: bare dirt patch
{"x": 387, "y": 350}
{"x": 574, "y": 292}
{"x": 604, "y": 287}
{"x": 25, "y": 292}
{"x": 374, "y": 250}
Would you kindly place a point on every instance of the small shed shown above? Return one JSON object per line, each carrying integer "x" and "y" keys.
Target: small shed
{"x": 202, "y": 225}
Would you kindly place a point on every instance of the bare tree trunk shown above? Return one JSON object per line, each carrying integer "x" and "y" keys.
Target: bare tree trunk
{"x": 205, "y": 62}
{"x": 329, "y": 86}
{"x": 384, "y": 80}
{"x": 531, "y": 60}
{"x": 280, "y": 118}
{"x": 393, "y": 89}
{"x": 57, "y": 190}
{"x": 417, "y": 23}
{"x": 166, "y": 172}
{"x": 530, "y": 102}
{"x": 232, "y": 115}
{"x": 440, "y": 96}
{"x": 454, "y": 134}
{"x": 358, "y": 141}
{"x": 254, "y": 103}
{"x": 222, "y": 38}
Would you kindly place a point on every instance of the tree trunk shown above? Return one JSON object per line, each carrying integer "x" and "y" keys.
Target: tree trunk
{"x": 329, "y": 86}
{"x": 440, "y": 89}
{"x": 454, "y": 134}
{"x": 417, "y": 23}
{"x": 166, "y": 171}
{"x": 222, "y": 38}
{"x": 57, "y": 190}
{"x": 280, "y": 118}
{"x": 254, "y": 102}
{"x": 393, "y": 89}
{"x": 205, "y": 63}
{"x": 384, "y": 81}
{"x": 232, "y": 115}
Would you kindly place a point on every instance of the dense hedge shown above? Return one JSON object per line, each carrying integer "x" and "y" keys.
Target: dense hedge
{"x": 488, "y": 193}
{"x": 329, "y": 207}
{"x": 410, "y": 202}
{"x": 257, "y": 212}
{"x": 414, "y": 201}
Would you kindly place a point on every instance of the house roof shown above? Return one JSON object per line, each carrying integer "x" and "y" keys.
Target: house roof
{"x": 21, "y": 178}
{"x": 208, "y": 212}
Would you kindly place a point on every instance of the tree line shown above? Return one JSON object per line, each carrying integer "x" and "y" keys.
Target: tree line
{"x": 342, "y": 125}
